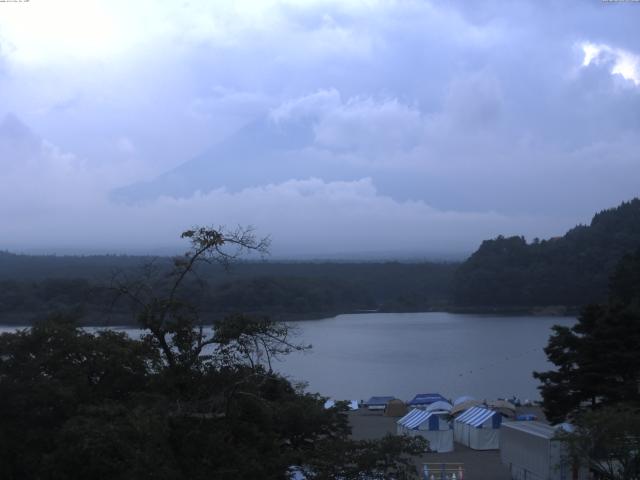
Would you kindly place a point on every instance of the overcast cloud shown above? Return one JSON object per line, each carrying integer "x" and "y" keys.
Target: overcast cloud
{"x": 417, "y": 128}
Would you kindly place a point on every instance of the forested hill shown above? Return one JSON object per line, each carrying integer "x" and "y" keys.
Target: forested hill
{"x": 571, "y": 270}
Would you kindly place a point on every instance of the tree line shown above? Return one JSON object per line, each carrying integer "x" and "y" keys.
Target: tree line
{"x": 505, "y": 273}
{"x": 283, "y": 290}
{"x": 596, "y": 380}
{"x": 181, "y": 402}
{"x": 571, "y": 270}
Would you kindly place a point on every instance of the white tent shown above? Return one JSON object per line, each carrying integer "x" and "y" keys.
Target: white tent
{"x": 439, "y": 406}
{"x": 532, "y": 451}
{"x": 478, "y": 428}
{"x": 462, "y": 399}
{"x": 329, "y": 403}
{"x": 507, "y": 409}
{"x": 459, "y": 408}
{"x": 432, "y": 426}
{"x": 351, "y": 404}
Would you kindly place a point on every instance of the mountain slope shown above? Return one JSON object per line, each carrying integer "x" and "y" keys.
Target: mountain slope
{"x": 263, "y": 152}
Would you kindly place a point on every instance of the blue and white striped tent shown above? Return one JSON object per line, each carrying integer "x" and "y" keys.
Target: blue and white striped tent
{"x": 477, "y": 416}
{"x": 478, "y": 428}
{"x": 433, "y": 426}
{"x": 418, "y": 418}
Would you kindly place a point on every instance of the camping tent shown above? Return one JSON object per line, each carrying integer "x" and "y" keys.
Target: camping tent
{"x": 530, "y": 450}
{"x": 395, "y": 408}
{"x": 424, "y": 399}
{"x": 478, "y": 428}
{"x": 432, "y": 426}
{"x": 378, "y": 403}
{"x": 507, "y": 409}
{"x": 461, "y": 407}
{"x": 351, "y": 404}
{"x": 439, "y": 406}
{"x": 464, "y": 398}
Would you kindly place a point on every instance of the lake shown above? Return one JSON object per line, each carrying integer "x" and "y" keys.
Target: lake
{"x": 401, "y": 354}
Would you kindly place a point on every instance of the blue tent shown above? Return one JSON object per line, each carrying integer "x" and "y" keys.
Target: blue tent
{"x": 424, "y": 399}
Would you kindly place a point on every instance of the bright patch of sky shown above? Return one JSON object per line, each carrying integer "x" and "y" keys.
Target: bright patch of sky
{"x": 622, "y": 62}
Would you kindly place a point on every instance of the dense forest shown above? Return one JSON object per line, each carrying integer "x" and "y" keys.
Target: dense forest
{"x": 504, "y": 274}
{"x": 32, "y": 285}
{"x": 572, "y": 270}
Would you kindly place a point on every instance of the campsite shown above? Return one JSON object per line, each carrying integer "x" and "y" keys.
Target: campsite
{"x": 497, "y": 440}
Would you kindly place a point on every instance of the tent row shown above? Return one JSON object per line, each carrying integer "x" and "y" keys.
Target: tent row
{"x": 429, "y": 401}
{"x": 530, "y": 449}
{"x": 478, "y": 428}
{"x": 436, "y": 402}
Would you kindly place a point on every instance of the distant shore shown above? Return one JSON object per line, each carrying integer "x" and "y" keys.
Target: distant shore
{"x": 102, "y": 319}
{"x": 546, "y": 311}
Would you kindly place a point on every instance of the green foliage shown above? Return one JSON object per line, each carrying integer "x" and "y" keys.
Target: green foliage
{"x": 76, "y": 405}
{"x": 52, "y": 371}
{"x": 608, "y": 442}
{"x": 597, "y": 360}
{"x": 179, "y": 403}
{"x": 389, "y": 457}
{"x": 571, "y": 270}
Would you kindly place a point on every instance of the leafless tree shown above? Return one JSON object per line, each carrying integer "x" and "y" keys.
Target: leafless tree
{"x": 174, "y": 323}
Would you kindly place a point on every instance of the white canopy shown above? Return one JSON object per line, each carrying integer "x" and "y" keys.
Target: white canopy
{"x": 476, "y": 416}
{"x": 478, "y": 428}
{"x": 329, "y": 404}
{"x": 462, "y": 399}
{"x": 461, "y": 407}
{"x": 432, "y": 426}
{"x": 352, "y": 404}
{"x": 439, "y": 406}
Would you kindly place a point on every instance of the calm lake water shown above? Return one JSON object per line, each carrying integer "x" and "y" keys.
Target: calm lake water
{"x": 401, "y": 354}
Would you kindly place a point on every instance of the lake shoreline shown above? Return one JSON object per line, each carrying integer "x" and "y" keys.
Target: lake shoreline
{"x": 101, "y": 319}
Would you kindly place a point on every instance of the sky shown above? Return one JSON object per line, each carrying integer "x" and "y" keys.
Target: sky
{"x": 338, "y": 128}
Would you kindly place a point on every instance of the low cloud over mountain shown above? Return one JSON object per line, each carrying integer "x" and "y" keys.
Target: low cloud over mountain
{"x": 413, "y": 126}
